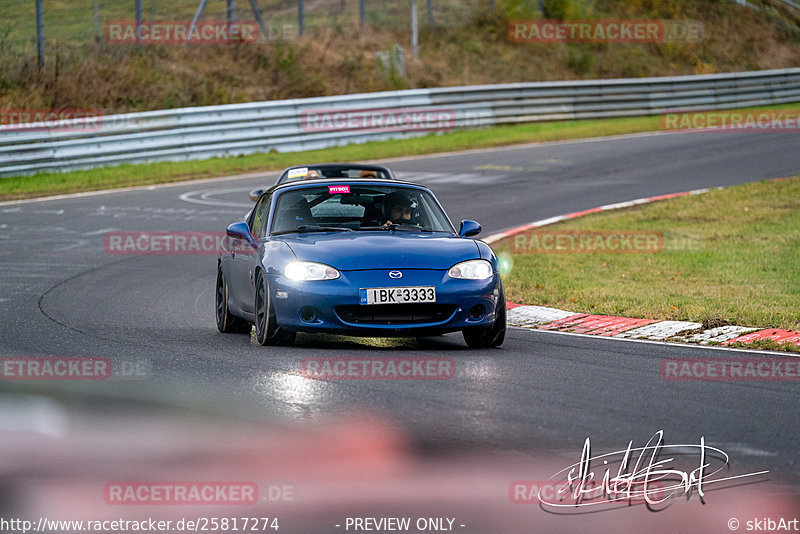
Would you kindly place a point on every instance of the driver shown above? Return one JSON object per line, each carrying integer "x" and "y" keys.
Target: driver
{"x": 398, "y": 208}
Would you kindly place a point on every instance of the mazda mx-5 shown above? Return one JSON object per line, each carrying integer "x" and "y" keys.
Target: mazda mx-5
{"x": 360, "y": 257}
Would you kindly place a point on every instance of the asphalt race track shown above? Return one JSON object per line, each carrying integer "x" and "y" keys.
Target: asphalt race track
{"x": 62, "y": 294}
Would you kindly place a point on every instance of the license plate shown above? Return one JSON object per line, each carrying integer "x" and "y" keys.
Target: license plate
{"x": 397, "y": 295}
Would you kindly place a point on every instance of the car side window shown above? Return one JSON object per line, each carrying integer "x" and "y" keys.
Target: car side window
{"x": 260, "y": 217}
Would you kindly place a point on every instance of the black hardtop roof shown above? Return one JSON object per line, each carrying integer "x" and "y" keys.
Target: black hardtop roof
{"x": 365, "y": 166}
{"x": 338, "y": 182}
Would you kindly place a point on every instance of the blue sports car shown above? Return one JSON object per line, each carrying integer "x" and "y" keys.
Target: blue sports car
{"x": 361, "y": 257}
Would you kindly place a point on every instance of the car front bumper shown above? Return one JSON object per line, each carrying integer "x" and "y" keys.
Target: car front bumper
{"x": 334, "y": 306}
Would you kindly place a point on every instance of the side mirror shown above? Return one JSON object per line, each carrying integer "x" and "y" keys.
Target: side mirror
{"x": 255, "y": 194}
{"x": 239, "y": 230}
{"x": 469, "y": 228}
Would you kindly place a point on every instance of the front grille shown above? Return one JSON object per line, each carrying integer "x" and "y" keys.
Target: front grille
{"x": 395, "y": 313}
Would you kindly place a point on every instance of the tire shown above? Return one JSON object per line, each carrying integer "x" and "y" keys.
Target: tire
{"x": 492, "y": 336}
{"x": 227, "y": 323}
{"x": 267, "y": 330}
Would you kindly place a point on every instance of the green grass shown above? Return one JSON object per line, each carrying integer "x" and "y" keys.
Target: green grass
{"x": 729, "y": 256}
{"x": 165, "y": 172}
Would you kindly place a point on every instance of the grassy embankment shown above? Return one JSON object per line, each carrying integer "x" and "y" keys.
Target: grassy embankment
{"x": 729, "y": 256}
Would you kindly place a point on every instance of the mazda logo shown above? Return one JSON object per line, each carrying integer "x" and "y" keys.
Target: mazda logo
{"x": 395, "y": 274}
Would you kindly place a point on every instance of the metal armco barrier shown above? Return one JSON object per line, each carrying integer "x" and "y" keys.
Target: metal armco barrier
{"x": 313, "y": 123}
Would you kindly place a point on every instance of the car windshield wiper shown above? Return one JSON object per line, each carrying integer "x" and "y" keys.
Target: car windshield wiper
{"x": 401, "y": 227}
{"x": 313, "y": 228}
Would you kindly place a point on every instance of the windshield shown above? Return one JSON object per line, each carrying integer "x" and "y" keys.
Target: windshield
{"x": 358, "y": 208}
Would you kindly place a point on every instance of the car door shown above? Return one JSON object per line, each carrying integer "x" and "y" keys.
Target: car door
{"x": 246, "y": 257}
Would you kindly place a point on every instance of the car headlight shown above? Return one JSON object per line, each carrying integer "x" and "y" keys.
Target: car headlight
{"x": 307, "y": 270}
{"x": 471, "y": 270}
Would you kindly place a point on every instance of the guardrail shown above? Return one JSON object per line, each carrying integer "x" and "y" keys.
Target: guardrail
{"x": 313, "y": 123}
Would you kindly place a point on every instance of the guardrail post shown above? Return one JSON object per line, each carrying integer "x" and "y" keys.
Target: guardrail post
{"x": 362, "y": 12}
{"x": 431, "y": 21}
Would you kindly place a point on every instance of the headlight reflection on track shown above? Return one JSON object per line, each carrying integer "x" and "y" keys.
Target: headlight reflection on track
{"x": 290, "y": 388}
{"x": 479, "y": 371}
